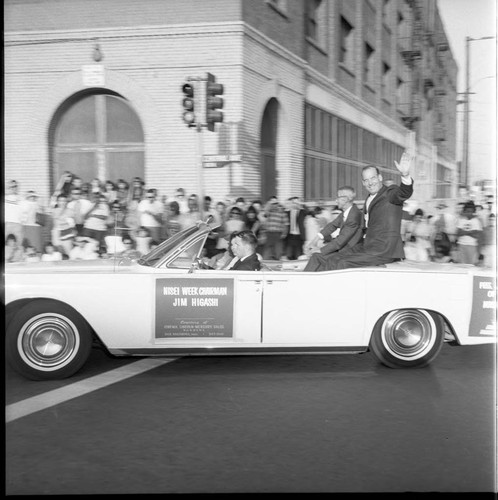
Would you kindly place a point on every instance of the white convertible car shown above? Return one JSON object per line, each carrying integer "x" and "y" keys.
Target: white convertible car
{"x": 166, "y": 304}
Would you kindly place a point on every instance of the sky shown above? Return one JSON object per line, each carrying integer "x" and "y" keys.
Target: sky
{"x": 476, "y": 19}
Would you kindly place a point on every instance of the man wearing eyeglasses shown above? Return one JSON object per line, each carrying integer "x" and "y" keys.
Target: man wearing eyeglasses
{"x": 383, "y": 211}
{"x": 344, "y": 232}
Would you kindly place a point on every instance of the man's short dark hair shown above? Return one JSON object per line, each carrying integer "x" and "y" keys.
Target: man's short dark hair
{"x": 248, "y": 237}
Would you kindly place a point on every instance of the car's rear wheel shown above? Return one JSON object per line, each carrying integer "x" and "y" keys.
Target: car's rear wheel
{"x": 407, "y": 338}
{"x": 47, "y": 340}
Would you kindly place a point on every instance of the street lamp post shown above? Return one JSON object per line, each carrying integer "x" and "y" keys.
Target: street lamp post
{"x": 464, "y": 171}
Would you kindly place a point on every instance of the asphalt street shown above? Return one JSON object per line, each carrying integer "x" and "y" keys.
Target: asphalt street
{"x": 261, "y": 424}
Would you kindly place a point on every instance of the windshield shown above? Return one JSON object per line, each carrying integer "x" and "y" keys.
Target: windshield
{"x": 160, "y": 251}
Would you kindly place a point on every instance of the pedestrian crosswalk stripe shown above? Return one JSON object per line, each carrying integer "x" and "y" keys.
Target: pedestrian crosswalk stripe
{"x": 80, "y": 388}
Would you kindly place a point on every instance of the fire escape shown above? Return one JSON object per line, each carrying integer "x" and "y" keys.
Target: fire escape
{"x": 440, "y": 92}
{"x": 412, "y": 55}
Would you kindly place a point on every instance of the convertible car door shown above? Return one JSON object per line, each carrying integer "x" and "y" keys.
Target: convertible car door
{"x": 314, "y": 309}
{"x": 209, "y": 308}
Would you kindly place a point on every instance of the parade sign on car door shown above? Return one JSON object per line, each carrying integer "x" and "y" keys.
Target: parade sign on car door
{"x": 194, "y": 308}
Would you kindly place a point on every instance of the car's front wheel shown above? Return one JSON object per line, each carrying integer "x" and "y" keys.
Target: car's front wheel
{"x": 47, "y": 340}
{"x": 407, "y": 338}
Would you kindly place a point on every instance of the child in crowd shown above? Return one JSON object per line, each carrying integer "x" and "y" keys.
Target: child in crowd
{"x": 13, "y": 251}
{"x": 31, "y": 255}
{"x": 84, "y": 249}
{"x": 50, "y": 253}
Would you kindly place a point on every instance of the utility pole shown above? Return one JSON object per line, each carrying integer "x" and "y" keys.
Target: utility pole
{"x": 465, "y": 156}
{"x": 464, "y": 171}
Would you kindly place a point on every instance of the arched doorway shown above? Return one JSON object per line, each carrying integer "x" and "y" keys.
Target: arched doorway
{"x": 96, "y": 134}
{"x": 269, "y": 128}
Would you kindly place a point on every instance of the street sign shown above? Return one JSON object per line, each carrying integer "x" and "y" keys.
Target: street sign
{"x": 221, "y": 158}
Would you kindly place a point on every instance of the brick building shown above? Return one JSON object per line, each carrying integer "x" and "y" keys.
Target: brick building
{"x": 313, "y": 91}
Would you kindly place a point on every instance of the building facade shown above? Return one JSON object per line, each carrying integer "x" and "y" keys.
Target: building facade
{"x": 313, "y": 91}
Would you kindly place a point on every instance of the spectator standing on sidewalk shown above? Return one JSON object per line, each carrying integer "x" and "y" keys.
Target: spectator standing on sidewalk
{"x": 13, "y": 212}
{"x": 417, "y": 240}
{"x": 296, "y": 235}
{"x": 95, "y": 225}
{"x": 79, "y": 206}
{"x": 32, "y": 212}
{"x": 151, "y": 211}
{"x": 488, "y": 248}
{"x": 275, "y": 227}
{"x": 63, "y": 226}
{"x": 469, "y": 232}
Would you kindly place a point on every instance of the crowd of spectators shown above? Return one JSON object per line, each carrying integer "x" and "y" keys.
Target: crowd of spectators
{"x": 97, "y": 220}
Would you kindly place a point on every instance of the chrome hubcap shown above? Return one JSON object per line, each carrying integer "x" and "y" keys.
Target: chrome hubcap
{"x": 409, "y": 333}
{"x": 48, "y": 341}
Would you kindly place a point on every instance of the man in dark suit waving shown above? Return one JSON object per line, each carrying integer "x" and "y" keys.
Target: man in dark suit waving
{"x": 244, "y": 246}
{"x": 344, "y": 232}
{"x": 382, "y": 211}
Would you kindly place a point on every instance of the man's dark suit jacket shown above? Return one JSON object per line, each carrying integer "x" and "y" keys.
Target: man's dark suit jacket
{"x": 350, "y": 234}
{"x": 383, "y": 234}
{"x": 250, "y": 263}
{"x": 382, "y": 242}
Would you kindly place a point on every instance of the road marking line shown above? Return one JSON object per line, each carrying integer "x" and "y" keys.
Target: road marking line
{"x": 63, "y": 394}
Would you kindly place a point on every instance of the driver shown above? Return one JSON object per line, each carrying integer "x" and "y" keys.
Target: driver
{"x": 244, "y": 246}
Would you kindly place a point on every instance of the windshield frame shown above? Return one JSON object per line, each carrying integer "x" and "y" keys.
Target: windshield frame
{"x": 174, "y": 245}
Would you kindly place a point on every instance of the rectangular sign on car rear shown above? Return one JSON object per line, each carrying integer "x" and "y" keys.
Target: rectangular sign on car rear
{"x": 194, "y": 308}
{"x": 483, "y": 319}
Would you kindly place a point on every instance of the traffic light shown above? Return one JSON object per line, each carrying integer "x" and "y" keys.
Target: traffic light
{"x": 213, "y": 103}
{"x": 188, "y": 105}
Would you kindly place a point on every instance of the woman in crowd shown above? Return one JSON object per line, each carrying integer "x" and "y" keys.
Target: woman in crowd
{"x": 110, "y": 192}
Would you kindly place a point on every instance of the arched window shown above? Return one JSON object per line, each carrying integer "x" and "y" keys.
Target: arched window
{"x": 268, "y": 143}
{"x": 97, "y": 135}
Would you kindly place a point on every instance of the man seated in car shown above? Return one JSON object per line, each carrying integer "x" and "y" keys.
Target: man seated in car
{"x": 244, "y": 248}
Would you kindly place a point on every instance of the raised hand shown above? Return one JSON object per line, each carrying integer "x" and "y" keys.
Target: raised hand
{"x": 404, "y": 164}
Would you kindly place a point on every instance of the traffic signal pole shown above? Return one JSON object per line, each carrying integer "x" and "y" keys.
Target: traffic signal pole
{"x": 201, "y": 106}
{"x": 200, "y": 169}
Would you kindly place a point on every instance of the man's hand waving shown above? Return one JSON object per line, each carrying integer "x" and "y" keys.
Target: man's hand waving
{"x": 404, "y": 164}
